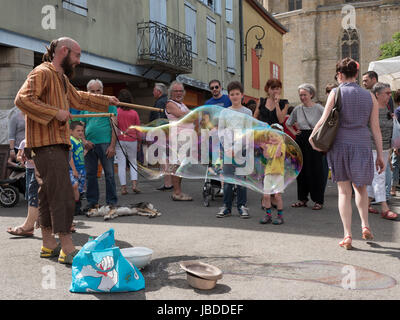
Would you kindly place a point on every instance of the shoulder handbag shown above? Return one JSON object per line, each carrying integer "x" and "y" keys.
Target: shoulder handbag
{"x": 325, "y": 136}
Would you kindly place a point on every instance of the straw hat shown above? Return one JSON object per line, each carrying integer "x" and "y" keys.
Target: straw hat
{"x": 201, "y": 275}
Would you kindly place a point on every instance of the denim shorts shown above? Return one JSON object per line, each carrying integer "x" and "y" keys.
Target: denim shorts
{"x": 32, "y": 187}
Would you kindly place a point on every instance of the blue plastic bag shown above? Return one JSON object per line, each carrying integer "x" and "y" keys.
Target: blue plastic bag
{"x": 100, "y": 267}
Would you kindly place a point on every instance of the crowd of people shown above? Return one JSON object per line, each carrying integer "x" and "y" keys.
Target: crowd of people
{"x": 58, "y": 176}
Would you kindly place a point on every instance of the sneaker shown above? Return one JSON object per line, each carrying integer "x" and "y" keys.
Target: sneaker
{"x": 224, "y": 212}
{"x": 266, "y": 219}
{"x": 164, "y": 188}
{"x": 244, "y": 212}
{"x": 278, "y": 221}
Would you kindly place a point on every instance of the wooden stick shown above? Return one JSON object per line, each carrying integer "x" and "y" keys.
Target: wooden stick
{"x": 95, "y": 115}
{"x": 137, "y": 106}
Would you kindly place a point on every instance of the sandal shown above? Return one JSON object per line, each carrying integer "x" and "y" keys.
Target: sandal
{"x": 317, "y": 206}
{"x": 67, "y": 258}
{"x": 299, "y": 204}
{"x": 19, "y": 232}
{"x": 372, "y": 210}
{"x": 137, "y": 191}
{"x": 389, "y": 215}
{"x": 181, "y": 197}
{"x": 346, "y": 245}
{"x": 124, "y": 192}
{"x": 366, "y": 234}
{"x": 50, "y": 253}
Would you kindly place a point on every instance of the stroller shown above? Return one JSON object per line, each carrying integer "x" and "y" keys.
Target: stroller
{"x": 212, "y": 187}
{"x": 11, "y": 186}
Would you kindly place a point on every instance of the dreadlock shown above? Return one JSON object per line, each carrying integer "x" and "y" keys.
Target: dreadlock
{"x": 49, "y": 55}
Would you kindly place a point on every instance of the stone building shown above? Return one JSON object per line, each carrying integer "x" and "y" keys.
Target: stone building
{"x": 321, "y": 32}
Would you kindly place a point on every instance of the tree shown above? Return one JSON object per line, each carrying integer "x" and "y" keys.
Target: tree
{"x": 391, "y": 49}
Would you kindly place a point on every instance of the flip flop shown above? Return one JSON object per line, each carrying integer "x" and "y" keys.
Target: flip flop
{"x": 389, "y": 215}
{"x": 19, "y": 232}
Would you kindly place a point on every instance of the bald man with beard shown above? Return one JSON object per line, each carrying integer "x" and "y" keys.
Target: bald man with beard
{"x": 45, "y": 98}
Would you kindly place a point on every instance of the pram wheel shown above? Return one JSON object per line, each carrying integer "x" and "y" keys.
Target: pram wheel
{"x": 207, "y": 194}
{"x": 9, "y": 196}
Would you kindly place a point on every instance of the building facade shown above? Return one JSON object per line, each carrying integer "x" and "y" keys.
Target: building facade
{"x": 259, "y": 24}
{"x": 125, "y": 43}
{"x": 321, "y": 32}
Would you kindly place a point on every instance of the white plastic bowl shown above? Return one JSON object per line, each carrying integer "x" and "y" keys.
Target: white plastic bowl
{"x": 139, "y": 256}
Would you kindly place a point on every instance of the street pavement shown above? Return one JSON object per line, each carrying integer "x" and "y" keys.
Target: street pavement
{"x": 300, "y": 259}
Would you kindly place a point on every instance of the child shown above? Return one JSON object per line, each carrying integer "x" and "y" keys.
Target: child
{"x": 226, "y": 125}
{"x": 77, "y": 170}
{"x": 274, "y": 150}
{"x": 31, "y": 195}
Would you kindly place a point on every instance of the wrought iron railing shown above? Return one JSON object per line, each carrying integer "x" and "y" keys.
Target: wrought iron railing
{"x": 160, "y": 44}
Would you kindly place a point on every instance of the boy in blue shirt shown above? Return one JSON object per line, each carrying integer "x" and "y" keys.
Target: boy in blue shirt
{"x": 77, "y": 170}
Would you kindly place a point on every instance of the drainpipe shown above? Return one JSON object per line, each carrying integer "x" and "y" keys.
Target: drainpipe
{"x": 241, "y": 41}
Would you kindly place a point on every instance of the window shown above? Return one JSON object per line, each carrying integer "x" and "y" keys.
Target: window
{"x": 191, "y": 25}
{"x": 350, "y": 44}
{"x": 295, "y": 5}
{"x": 77, "y": 6}
{"x": 231, "y": 50}
{"x": 214, "y": 5}
{"x": 211, "y": 41}
{"x": 275, "y": 70}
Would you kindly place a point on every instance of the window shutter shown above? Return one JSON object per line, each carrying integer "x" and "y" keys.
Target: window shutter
{"x": 231, "y": 50}
{"x": 191, "y": 25}
{"x": 218, "y": 7}
{"x": 158, "y": 11}
{"x": 229, "y": 11}
{"x": 211, "y": 40}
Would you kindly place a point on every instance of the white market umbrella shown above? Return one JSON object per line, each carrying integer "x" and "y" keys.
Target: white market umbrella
{"x": 388, "y": 71}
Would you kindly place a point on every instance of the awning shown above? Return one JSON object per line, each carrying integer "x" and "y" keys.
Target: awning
{"x": 388, "y": 71}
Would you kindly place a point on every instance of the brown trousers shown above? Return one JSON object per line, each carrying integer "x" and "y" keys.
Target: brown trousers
{"x": 56, "y": 196}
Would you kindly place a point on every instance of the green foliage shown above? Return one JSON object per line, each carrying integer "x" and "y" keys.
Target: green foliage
{"x": 391, "y": 49}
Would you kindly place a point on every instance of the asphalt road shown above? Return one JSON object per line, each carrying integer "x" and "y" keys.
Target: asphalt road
{"x": 300, "y": 259}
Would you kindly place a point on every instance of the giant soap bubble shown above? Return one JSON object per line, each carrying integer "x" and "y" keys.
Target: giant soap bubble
{"x": 221, "y": 144}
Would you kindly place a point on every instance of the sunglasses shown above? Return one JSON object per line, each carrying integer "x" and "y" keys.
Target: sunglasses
{"x": 213, "y": 88}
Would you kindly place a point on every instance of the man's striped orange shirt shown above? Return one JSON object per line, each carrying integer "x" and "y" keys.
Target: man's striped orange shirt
{"x": 42, "y": 95}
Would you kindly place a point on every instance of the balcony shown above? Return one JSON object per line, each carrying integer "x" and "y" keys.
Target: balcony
{"x": 162, "y": 47}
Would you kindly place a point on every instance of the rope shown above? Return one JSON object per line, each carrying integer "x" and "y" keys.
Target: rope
{"x": 113, "y": 126}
